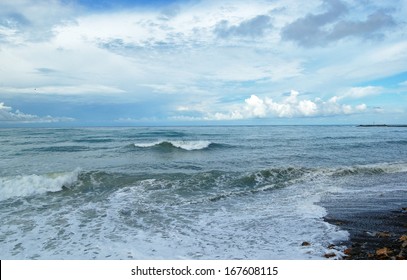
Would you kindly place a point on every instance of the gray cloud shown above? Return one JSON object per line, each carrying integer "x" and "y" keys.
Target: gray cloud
{"x": 32, "y": 20}
{"x": 311, "y": 30}
{"x": 254, "y": 27}
{"x": 46, "y": 71}
{"x": 367, "y": 28}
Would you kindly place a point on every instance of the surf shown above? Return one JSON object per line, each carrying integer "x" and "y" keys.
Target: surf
{"x": 181, "y": 144}
{"x": 28, "y": 185}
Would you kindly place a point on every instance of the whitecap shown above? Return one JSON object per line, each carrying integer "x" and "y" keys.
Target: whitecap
{"x": 182, "y": 144}
{"x": 26, "y": 185}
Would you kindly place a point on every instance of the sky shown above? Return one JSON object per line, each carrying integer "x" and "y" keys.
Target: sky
{"x": 191, "y": 62}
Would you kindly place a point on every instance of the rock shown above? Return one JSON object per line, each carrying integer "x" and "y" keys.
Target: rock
{"x": 348, "y": 251}
{"x": 384, "y": 234}
{"x": 383, "y": 252}
{"x": 403, "y": 238}
{"x": 305, "y": 243}
{"x": 331, "y": 246}
{"x": 329, "y": 255}
{"x": 401, "y": 255}
{"x": 404, "y": 244}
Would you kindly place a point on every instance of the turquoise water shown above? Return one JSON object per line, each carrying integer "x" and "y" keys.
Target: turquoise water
{"x": 187, "y": 192}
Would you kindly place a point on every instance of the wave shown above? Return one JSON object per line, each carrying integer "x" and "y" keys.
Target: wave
{"x": 277, "y": 178}
{"x": 397, "y": 142}
{"x": 27, "y": 185}
{"x": 370, "y": 169}
{"x": 215, "y": 184}
{"x": 184, "y": 145}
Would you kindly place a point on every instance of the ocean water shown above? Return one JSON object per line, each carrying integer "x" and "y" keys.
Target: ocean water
{"x": 239, "y": 192}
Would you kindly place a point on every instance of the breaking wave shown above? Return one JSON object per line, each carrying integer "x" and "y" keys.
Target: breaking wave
{"x": 27, "y": 185}
{"x": 370, "y": 169}
{"x": 228, "y": 183}
{"x": 184, "y": 145}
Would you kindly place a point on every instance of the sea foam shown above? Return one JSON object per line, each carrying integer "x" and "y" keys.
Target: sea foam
{"x": 26, "y": 185}
{"x": 184, "y": 145}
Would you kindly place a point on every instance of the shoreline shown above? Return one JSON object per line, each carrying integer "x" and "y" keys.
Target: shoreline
{"x": 377, "y": 228}
{"x": 374, "y": 235}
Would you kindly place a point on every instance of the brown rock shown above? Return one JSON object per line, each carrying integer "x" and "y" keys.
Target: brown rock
{"x": 383, "y": 252}
{"x": 384, "y": 234}
{"x": 305, "y": 243}
{"x": 401, "y": 255}
{"x": 403, "y": 238}
{"x": 348, "y": 251}
{"x": 329, "y": 255}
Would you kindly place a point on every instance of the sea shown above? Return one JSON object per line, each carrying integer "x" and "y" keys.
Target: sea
{"x": 210, "y": 192}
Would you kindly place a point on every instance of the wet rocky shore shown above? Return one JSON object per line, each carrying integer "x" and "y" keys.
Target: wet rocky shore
{"x": 377, "y": 226}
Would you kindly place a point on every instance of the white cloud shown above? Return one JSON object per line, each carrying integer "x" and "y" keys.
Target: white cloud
{"x": 291, "y": 106}
{"x": 8, "y": 115}
{"x": 307, "y": 108}
{"x": 361, "y": 92}
{"x": 65, "y": 90}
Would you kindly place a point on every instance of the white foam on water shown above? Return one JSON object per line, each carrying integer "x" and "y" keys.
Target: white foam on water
{"x": 388, "y": 168}
{"x": 142, "y": 222}
{"x": 147, "y": 145}
{"x": 191, "y": 145}
{"x": 26, "y": 185}
{"x": 185, "y": 145}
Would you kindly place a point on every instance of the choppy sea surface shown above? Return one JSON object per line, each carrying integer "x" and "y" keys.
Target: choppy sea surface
{"x": 238, "y": 192}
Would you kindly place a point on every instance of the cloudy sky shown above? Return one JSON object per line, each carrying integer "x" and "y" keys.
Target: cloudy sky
{"x": 84, "y": 62}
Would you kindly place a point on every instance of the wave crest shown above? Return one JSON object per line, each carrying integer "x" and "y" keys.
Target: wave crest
{"x": 184, "y": 145}
{"x": 27, "y": 185}
{"x": 371, "y": 169}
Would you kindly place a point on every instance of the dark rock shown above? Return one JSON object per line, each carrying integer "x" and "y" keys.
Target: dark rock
{"x": 332, "y": 246}
{"x": 348, "y": 251}
{"x": 329, "y": 255}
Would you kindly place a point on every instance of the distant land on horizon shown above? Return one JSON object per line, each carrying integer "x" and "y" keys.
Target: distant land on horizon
{"x": 382, "y": 125}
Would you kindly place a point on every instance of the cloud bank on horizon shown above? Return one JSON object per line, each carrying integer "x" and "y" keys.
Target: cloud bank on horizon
{"x": 190, "y": 61}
